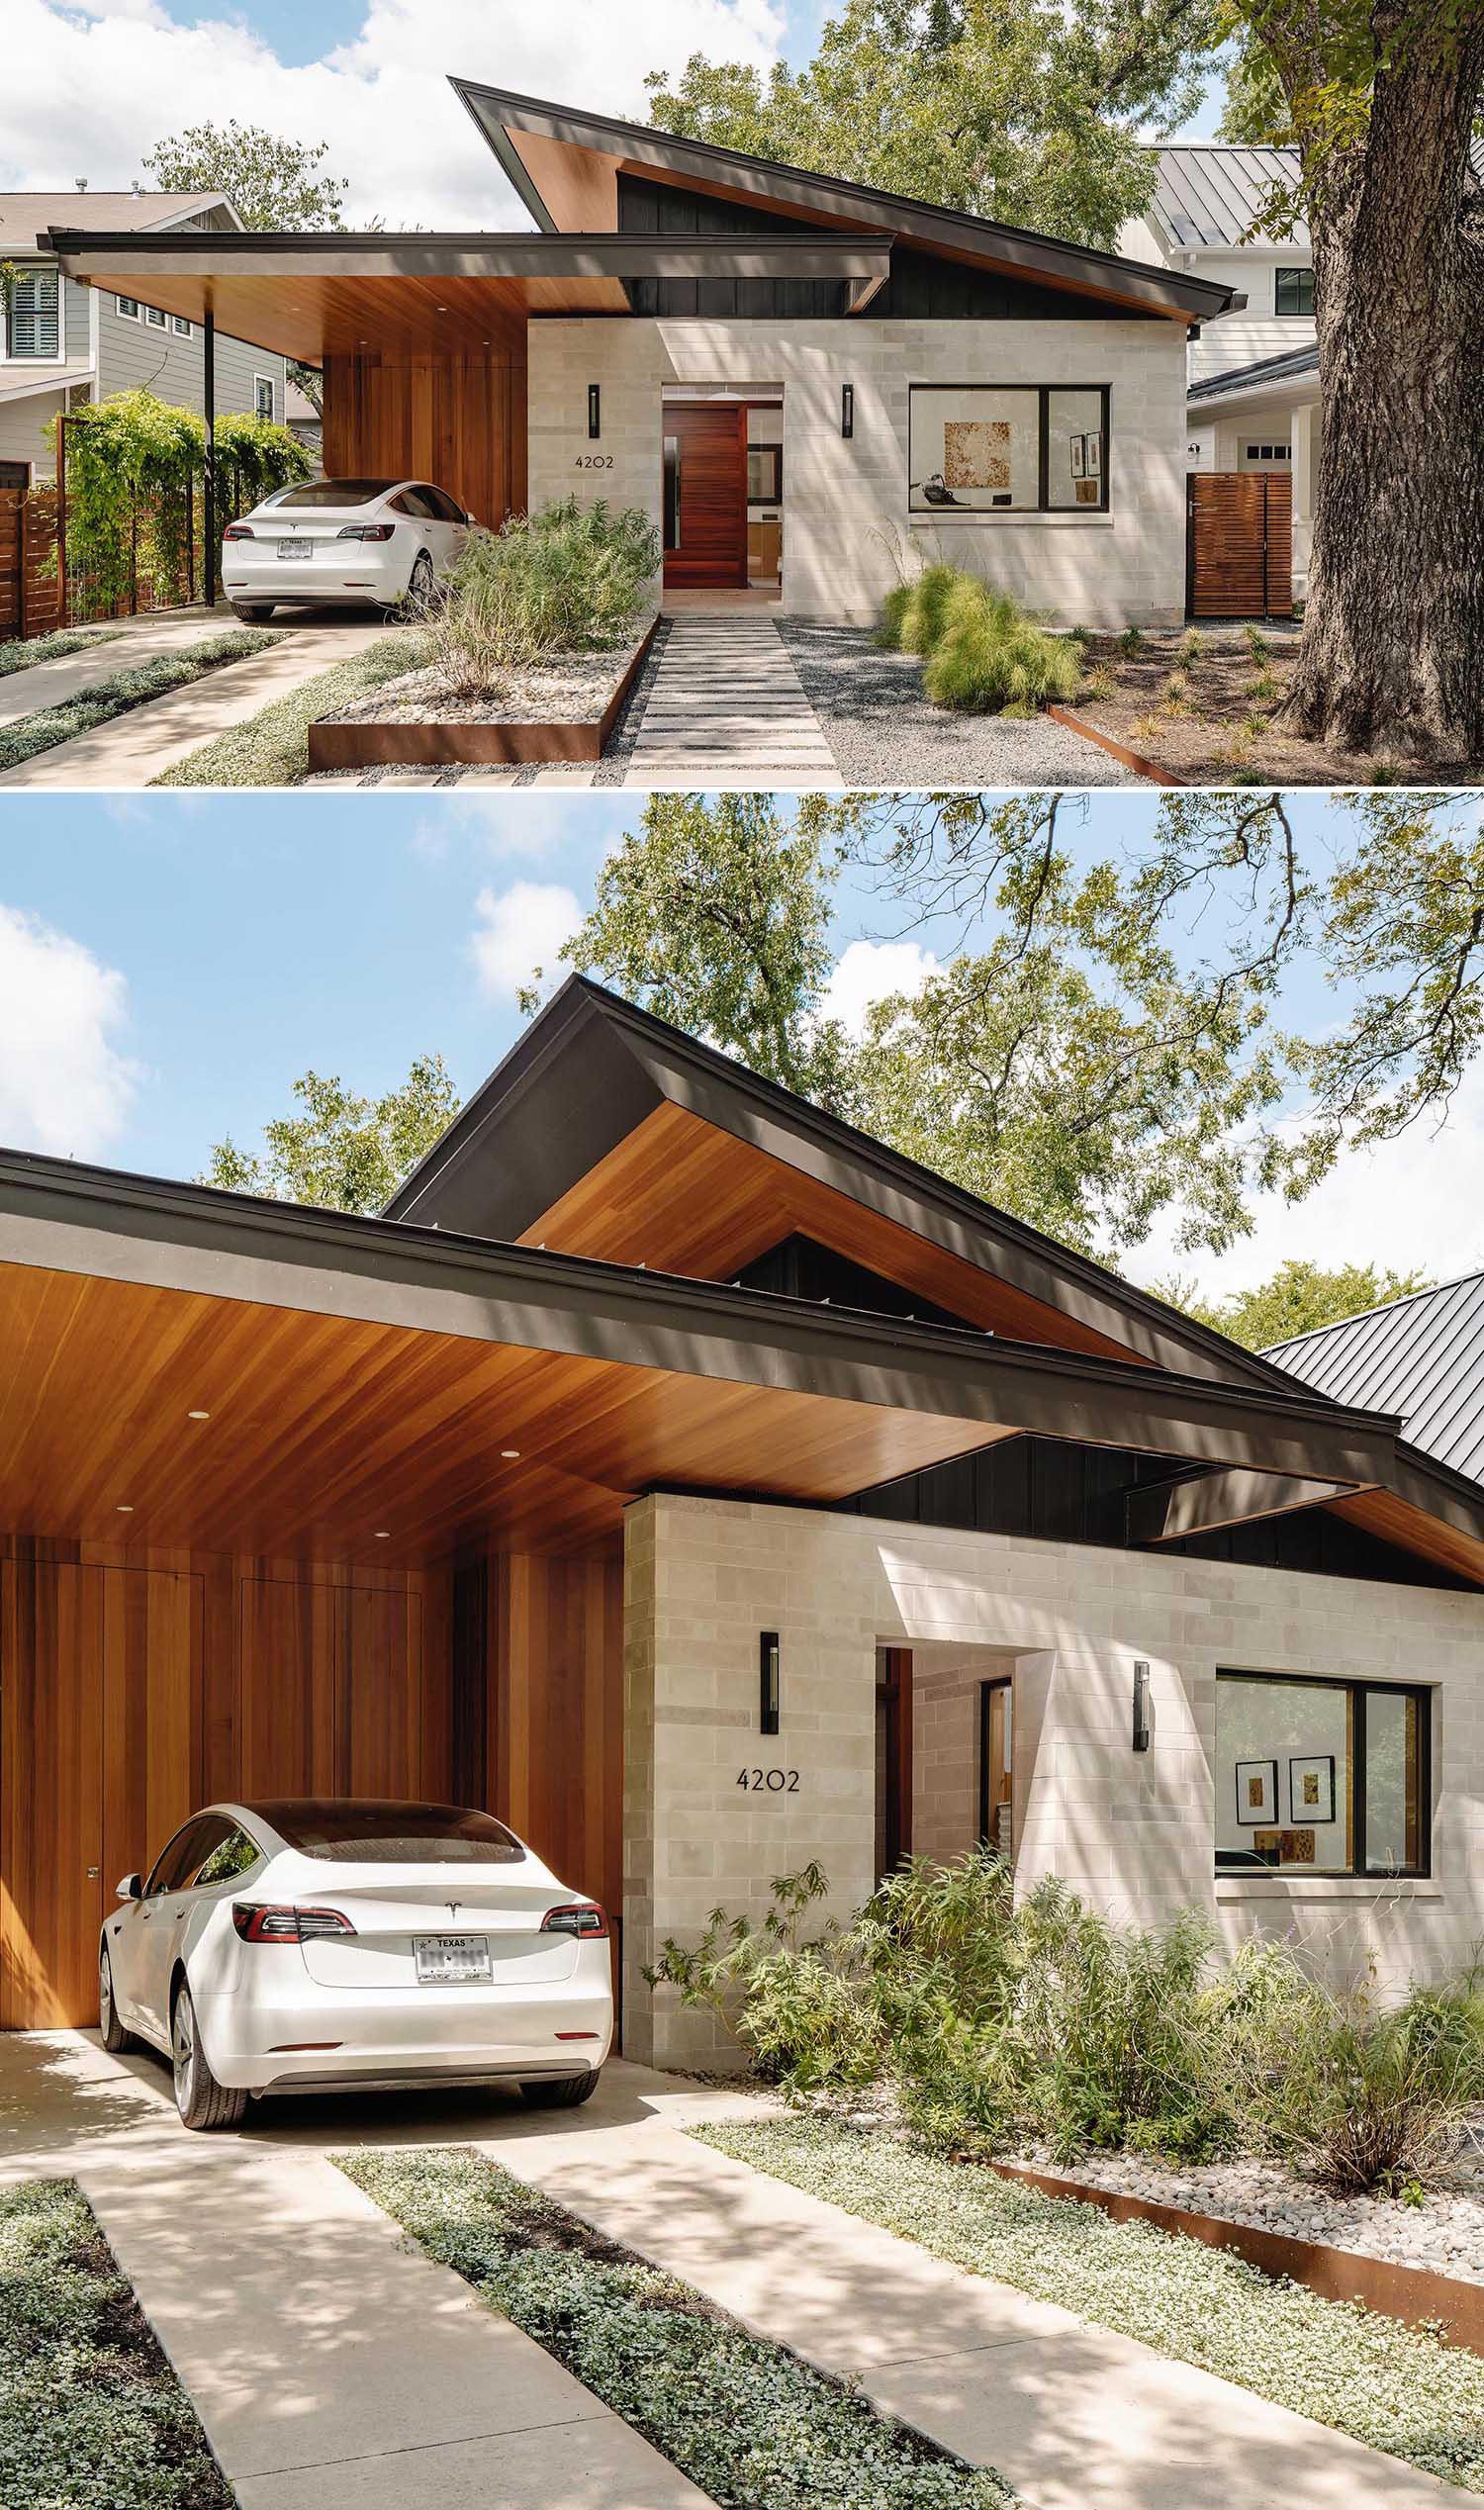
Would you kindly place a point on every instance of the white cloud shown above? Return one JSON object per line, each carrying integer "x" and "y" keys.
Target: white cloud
{"x": 529, "y": 823}
{"x": 107, "y": 79}
{"x": 868, "y": 971}
{"x": 520, "y": 929}
{"x": 1415, "y": 1204}
{"x": 63, "y": 1085}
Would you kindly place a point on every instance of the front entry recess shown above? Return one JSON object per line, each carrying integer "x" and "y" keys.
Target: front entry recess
{"x": 705, "y": 494}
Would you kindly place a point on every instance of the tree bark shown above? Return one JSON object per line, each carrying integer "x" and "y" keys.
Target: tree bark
{"x": 1392, "y": 653}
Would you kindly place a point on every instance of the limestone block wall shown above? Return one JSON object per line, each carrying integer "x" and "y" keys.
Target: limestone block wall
{"x": 946, "y": 1755}
{"x": 841, "y": 496}
{"x": 1134, "y": 1832}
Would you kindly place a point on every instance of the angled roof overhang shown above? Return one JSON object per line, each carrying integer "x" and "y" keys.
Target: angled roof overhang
{"x": 366, "y": 1378}
{"x": 564, "y": 164}
{"x": 314, "y": 296}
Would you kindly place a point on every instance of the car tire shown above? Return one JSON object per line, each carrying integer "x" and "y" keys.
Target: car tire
{"x": 423, "y": 584}
{"x": 569, "y": 2092}
{"x": 111, "y": 2030}
{"x": 203, "y": 2102}
{"x": 254, "y": 612}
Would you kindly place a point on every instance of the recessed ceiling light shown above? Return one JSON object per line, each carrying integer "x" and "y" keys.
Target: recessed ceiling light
{"x": 198, "y": 1416}
{"x": 381, "y": 1538}
{"x": 124, "y": 1508}
{"x": 511, "y": 1454}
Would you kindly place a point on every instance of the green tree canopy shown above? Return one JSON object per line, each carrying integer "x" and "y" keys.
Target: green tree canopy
{"x": 1026, "y": 110}
{"x": 271, "y": 182}
{"x": 341, "y": 1151}
{"x": 1296, "y": 1299}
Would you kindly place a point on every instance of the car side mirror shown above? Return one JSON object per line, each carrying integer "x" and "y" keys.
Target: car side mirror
{"x": 130, "y": 1887}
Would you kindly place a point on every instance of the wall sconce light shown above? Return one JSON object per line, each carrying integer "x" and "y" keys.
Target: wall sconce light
{"x": 769, "y": 1682}
{"x": 847, "y": 408}
{"x": 1141, "y": 1707}
{"x": 593, "y": 424}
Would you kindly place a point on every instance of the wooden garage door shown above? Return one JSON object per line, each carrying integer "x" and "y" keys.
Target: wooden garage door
{"x": 98, "y": 1668}
{"x": 1240, "y": 553}
{"x": 705, "y": 501}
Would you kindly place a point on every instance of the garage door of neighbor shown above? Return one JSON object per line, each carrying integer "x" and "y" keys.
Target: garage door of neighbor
{"x": 97, "y": 1667}
{"x": 1239, "y": 545}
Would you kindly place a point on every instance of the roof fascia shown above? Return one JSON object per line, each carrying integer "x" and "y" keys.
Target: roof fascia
{"x": 103, "y": 1224}
{"x": 830, "y": 255}
{"x": 496, "y": 111}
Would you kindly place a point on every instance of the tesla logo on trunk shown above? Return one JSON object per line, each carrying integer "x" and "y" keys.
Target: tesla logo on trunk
{"x": 453, "y": 1908}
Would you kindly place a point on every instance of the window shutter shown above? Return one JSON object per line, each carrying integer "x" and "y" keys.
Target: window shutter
{"x": 34, "y": 326}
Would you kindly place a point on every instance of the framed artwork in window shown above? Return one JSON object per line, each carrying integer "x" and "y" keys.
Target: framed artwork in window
{"x": 1077, "y": 447}
{"x": 1257, "y": 1792}
{"x": 1311, "y": 1788}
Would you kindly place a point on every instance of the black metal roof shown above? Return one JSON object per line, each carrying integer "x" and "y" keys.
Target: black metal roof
{"x": 1420, "y": 1357}
{"x": 1210, "y": 192}
{"x": 1289, "y": 365}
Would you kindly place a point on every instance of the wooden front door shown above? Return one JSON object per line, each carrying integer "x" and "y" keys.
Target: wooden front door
{"x": 97, "y": 1668}
{"x": 1239, "y": 544}
{"x": 706, "y": 494}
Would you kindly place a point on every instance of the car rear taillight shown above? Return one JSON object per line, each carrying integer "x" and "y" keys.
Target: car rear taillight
{"x": 239, "y": 532}
{"x": 365, "y": 531}
{"x": 256, "y": 1922}
{"x": 581, "y": 1917}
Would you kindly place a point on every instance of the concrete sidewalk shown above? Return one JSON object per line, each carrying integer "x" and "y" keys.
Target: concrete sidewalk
{"x": 334, "y": 2369}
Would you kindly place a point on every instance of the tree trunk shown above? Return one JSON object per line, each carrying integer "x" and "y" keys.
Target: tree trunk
{"x": 1392, "y": 654}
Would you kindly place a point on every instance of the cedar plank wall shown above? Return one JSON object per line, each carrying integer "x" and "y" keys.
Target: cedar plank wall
{"x": 459, "y": 424}
{"x": 135, "y": 1686}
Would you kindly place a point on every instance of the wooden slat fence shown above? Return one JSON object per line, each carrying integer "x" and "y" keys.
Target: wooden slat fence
{"x": 1239, "y": 544}
{"x": 29, "y": 589}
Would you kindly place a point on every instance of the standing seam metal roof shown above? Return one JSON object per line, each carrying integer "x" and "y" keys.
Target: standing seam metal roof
{"x": 1207, "y": 197}
{"x": 1422, "y": 1357}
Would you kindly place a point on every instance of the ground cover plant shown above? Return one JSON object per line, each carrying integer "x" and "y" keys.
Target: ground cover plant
{"x": 31, "y": 734}
{"x": 272, "y": 747}
{"x": 1396, "y": 2388}
{"x": 23, "y": 653}
{"x": 90, "y": 2411}
{"x": 571, "y": 579}
{"x": 990, "y": 2025}
{"x": 749, "y": 2422}
{"x": 983, "y": 654}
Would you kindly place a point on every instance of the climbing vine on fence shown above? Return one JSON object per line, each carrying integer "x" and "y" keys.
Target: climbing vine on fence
{"x": 134, "y": 468}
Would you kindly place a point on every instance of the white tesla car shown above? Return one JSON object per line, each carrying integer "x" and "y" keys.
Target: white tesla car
{"x": 310, "y": 1945}
{"x": 338, "y": 540}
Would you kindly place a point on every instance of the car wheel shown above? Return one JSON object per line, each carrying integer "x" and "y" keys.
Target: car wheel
{"x": 202, "y": 2100}
{"x": 109, "y": 2030}
{"x": 254, "y": 611}
{"x": 423, "y": 584}
{"x": 568, "y": 2093}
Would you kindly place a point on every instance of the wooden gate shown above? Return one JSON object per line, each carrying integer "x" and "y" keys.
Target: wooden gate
{"x": 1239, "y": 545}
{"x": 28, "y": 591}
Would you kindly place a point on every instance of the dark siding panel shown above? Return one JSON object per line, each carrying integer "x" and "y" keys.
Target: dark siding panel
{"x": 799, "y": 1267}
{"x": 923, "y": 288}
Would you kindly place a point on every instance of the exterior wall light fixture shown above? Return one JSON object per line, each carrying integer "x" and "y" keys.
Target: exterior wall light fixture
{"x": 595, "y": 426}
{"x": 1141, "y": 1706}
{"x": 767, "y": 1667}
{"x": 847, "y": 408}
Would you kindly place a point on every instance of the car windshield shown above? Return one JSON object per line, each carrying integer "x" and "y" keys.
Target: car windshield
{"x": 334, "y": 492}
{"x": 392, "y": 1833}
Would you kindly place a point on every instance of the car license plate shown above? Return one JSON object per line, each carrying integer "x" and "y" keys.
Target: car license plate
{"x": 293, "y": 549}
{"x": 450, "y": 1960}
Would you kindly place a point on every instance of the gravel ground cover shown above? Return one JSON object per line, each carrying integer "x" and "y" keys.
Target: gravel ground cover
{"x": 1441, "y": 2232}
{"x": 884, "y": 732}
{"x": 272, "y": 748}
{"x": 748, "y": 2421}
{"x": 46, "y": 729}
{"x": 90, "y": 2411}
{"x": 23, "y": 653}
{"x": 569, "y": 688}
{"x": 1395, "y": 2388}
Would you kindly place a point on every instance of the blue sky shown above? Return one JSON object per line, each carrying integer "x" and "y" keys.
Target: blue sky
{"x": 169, "y": 966}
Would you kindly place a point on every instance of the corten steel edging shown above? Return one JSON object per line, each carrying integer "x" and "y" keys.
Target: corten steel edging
{"x": 1410, "y": 2293}
{"x": 335, "y": 745}
{"x": 1126, "y": 757}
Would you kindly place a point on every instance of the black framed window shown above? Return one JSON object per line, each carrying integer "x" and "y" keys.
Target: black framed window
{"x": 978, "y": 450}
{"x": 1293, "y": 292}
{"x": 1321, "y": 1777}
{"x": 35, "y": 315}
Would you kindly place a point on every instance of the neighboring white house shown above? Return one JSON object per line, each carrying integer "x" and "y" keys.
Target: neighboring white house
{"x": 1253, "y": 373}
{"x": 62, "y": 345}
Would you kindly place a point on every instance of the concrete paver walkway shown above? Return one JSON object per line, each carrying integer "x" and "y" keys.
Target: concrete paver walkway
{"x": 727, "y": 700}
{"x": 336, "y": 2371}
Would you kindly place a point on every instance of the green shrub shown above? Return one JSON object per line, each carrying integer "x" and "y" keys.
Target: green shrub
{"x": 572, "y": 578}
{"x": 893, "y": 613}
{"x": 922, "y": 611}
{"x": 989, "y": 655}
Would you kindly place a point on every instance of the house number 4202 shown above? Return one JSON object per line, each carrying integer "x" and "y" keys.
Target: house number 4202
{"x": 594, "y": 462}
{"x": 773, "y": 1782}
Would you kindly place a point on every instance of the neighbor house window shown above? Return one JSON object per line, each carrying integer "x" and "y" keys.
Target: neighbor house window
{"x": 129, "y": 307}
{"x": 35, "y": 315}
{"x": 1321, "y": 1777}
{"x": 1293, "y": 292}
{"x": 263, "y": 394}
{"x": 1267, "y": 452}
{"x": 1007, "y": 448}
{"x": 154, "y": 317}
{"x": 180, "y": 327}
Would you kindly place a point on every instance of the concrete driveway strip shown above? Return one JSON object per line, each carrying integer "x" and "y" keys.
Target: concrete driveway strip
{"x": 123, "y": 645}
{"x": 130, "y": 752}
